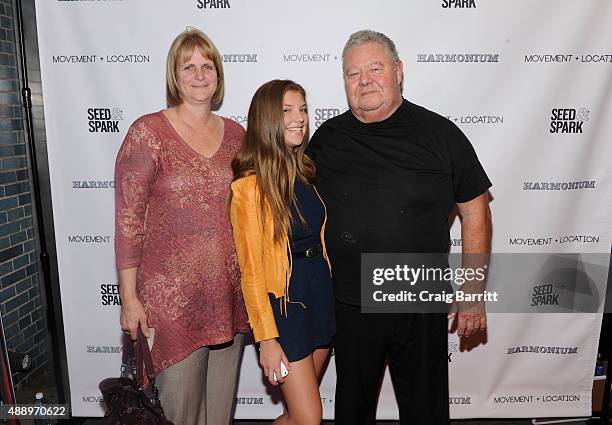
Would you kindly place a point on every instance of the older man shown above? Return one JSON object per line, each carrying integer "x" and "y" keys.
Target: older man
{"x": 390, "y": 173}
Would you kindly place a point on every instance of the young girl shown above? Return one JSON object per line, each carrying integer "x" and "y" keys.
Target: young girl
{"x": 278, "y": 221}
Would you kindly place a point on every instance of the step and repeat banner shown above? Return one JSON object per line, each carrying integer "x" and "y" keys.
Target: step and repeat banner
{"x": 530, "y": 84}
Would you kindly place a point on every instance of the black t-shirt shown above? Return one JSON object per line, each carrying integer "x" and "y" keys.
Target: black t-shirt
{"x": 390, "y": 186}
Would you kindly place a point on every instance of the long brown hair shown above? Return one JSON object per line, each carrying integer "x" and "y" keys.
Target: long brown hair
{"x": 265, "y": 153}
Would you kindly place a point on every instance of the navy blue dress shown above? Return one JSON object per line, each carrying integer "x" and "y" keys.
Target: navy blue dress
{"x": 309, "y": 322}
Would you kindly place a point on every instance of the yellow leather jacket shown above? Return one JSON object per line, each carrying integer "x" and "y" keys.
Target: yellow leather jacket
{"x": 264, "y": 264}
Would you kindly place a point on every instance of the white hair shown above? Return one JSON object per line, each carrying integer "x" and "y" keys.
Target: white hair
{"x": 368, "y": 36}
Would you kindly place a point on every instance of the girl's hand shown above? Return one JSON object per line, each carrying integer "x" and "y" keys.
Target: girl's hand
{"x": 270, "y": 356}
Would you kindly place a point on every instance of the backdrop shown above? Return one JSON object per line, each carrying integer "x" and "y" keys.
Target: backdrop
{"x": 530, "y": 84}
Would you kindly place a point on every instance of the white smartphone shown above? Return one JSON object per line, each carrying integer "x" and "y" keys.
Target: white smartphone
{"x": 283, "y": 370}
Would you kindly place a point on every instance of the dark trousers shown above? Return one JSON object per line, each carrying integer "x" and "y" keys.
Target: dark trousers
{"x": 415, "y": 347}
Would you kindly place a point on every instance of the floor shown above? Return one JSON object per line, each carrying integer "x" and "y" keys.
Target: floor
{"x": 470, "y": 422}
{"x": 44, "y": 383}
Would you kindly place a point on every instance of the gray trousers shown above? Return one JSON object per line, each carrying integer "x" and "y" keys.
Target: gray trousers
{"x": 201, "y": 389}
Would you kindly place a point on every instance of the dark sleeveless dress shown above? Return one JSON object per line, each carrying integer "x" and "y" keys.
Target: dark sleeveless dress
{"x": 309, "y": 322}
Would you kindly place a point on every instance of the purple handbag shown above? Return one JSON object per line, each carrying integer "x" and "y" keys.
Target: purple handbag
{"x": 127, "y": 401}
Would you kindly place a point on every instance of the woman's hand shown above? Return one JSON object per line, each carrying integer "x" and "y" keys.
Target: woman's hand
{"x": 133, "y": 315}
{"x": 132, "y": 312}
{"x": 270, "y": 356}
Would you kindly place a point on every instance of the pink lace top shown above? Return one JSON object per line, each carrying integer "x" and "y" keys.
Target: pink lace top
{"x": 171, "y": 222}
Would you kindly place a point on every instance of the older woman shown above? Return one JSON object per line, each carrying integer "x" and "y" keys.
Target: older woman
{"x": 175, "y": 254}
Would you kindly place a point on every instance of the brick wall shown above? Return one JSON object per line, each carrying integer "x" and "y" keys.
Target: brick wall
{"x": 20, "y": 298}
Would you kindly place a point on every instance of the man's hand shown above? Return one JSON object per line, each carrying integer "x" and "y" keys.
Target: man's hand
{"x": 476, "y": 236}
{"x": 471, "y": 318}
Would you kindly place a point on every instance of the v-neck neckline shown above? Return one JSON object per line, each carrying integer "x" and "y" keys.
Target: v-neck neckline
{"x": 184, "y": 142}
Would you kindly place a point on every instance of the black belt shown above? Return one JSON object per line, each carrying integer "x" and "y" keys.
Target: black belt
{"x": 313, "y": 251}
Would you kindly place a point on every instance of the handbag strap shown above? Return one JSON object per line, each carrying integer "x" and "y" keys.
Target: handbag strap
{"x": 136, "y": 358}
{"x": 128, "y": 356}
{"x": 143, "y": 359}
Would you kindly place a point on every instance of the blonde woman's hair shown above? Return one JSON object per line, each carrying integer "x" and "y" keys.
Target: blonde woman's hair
{"x": 181, "y": 50}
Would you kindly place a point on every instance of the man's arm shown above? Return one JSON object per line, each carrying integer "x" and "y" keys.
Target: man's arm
{"x": 476, "y": 225}
{"x": 476, "y": 239}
